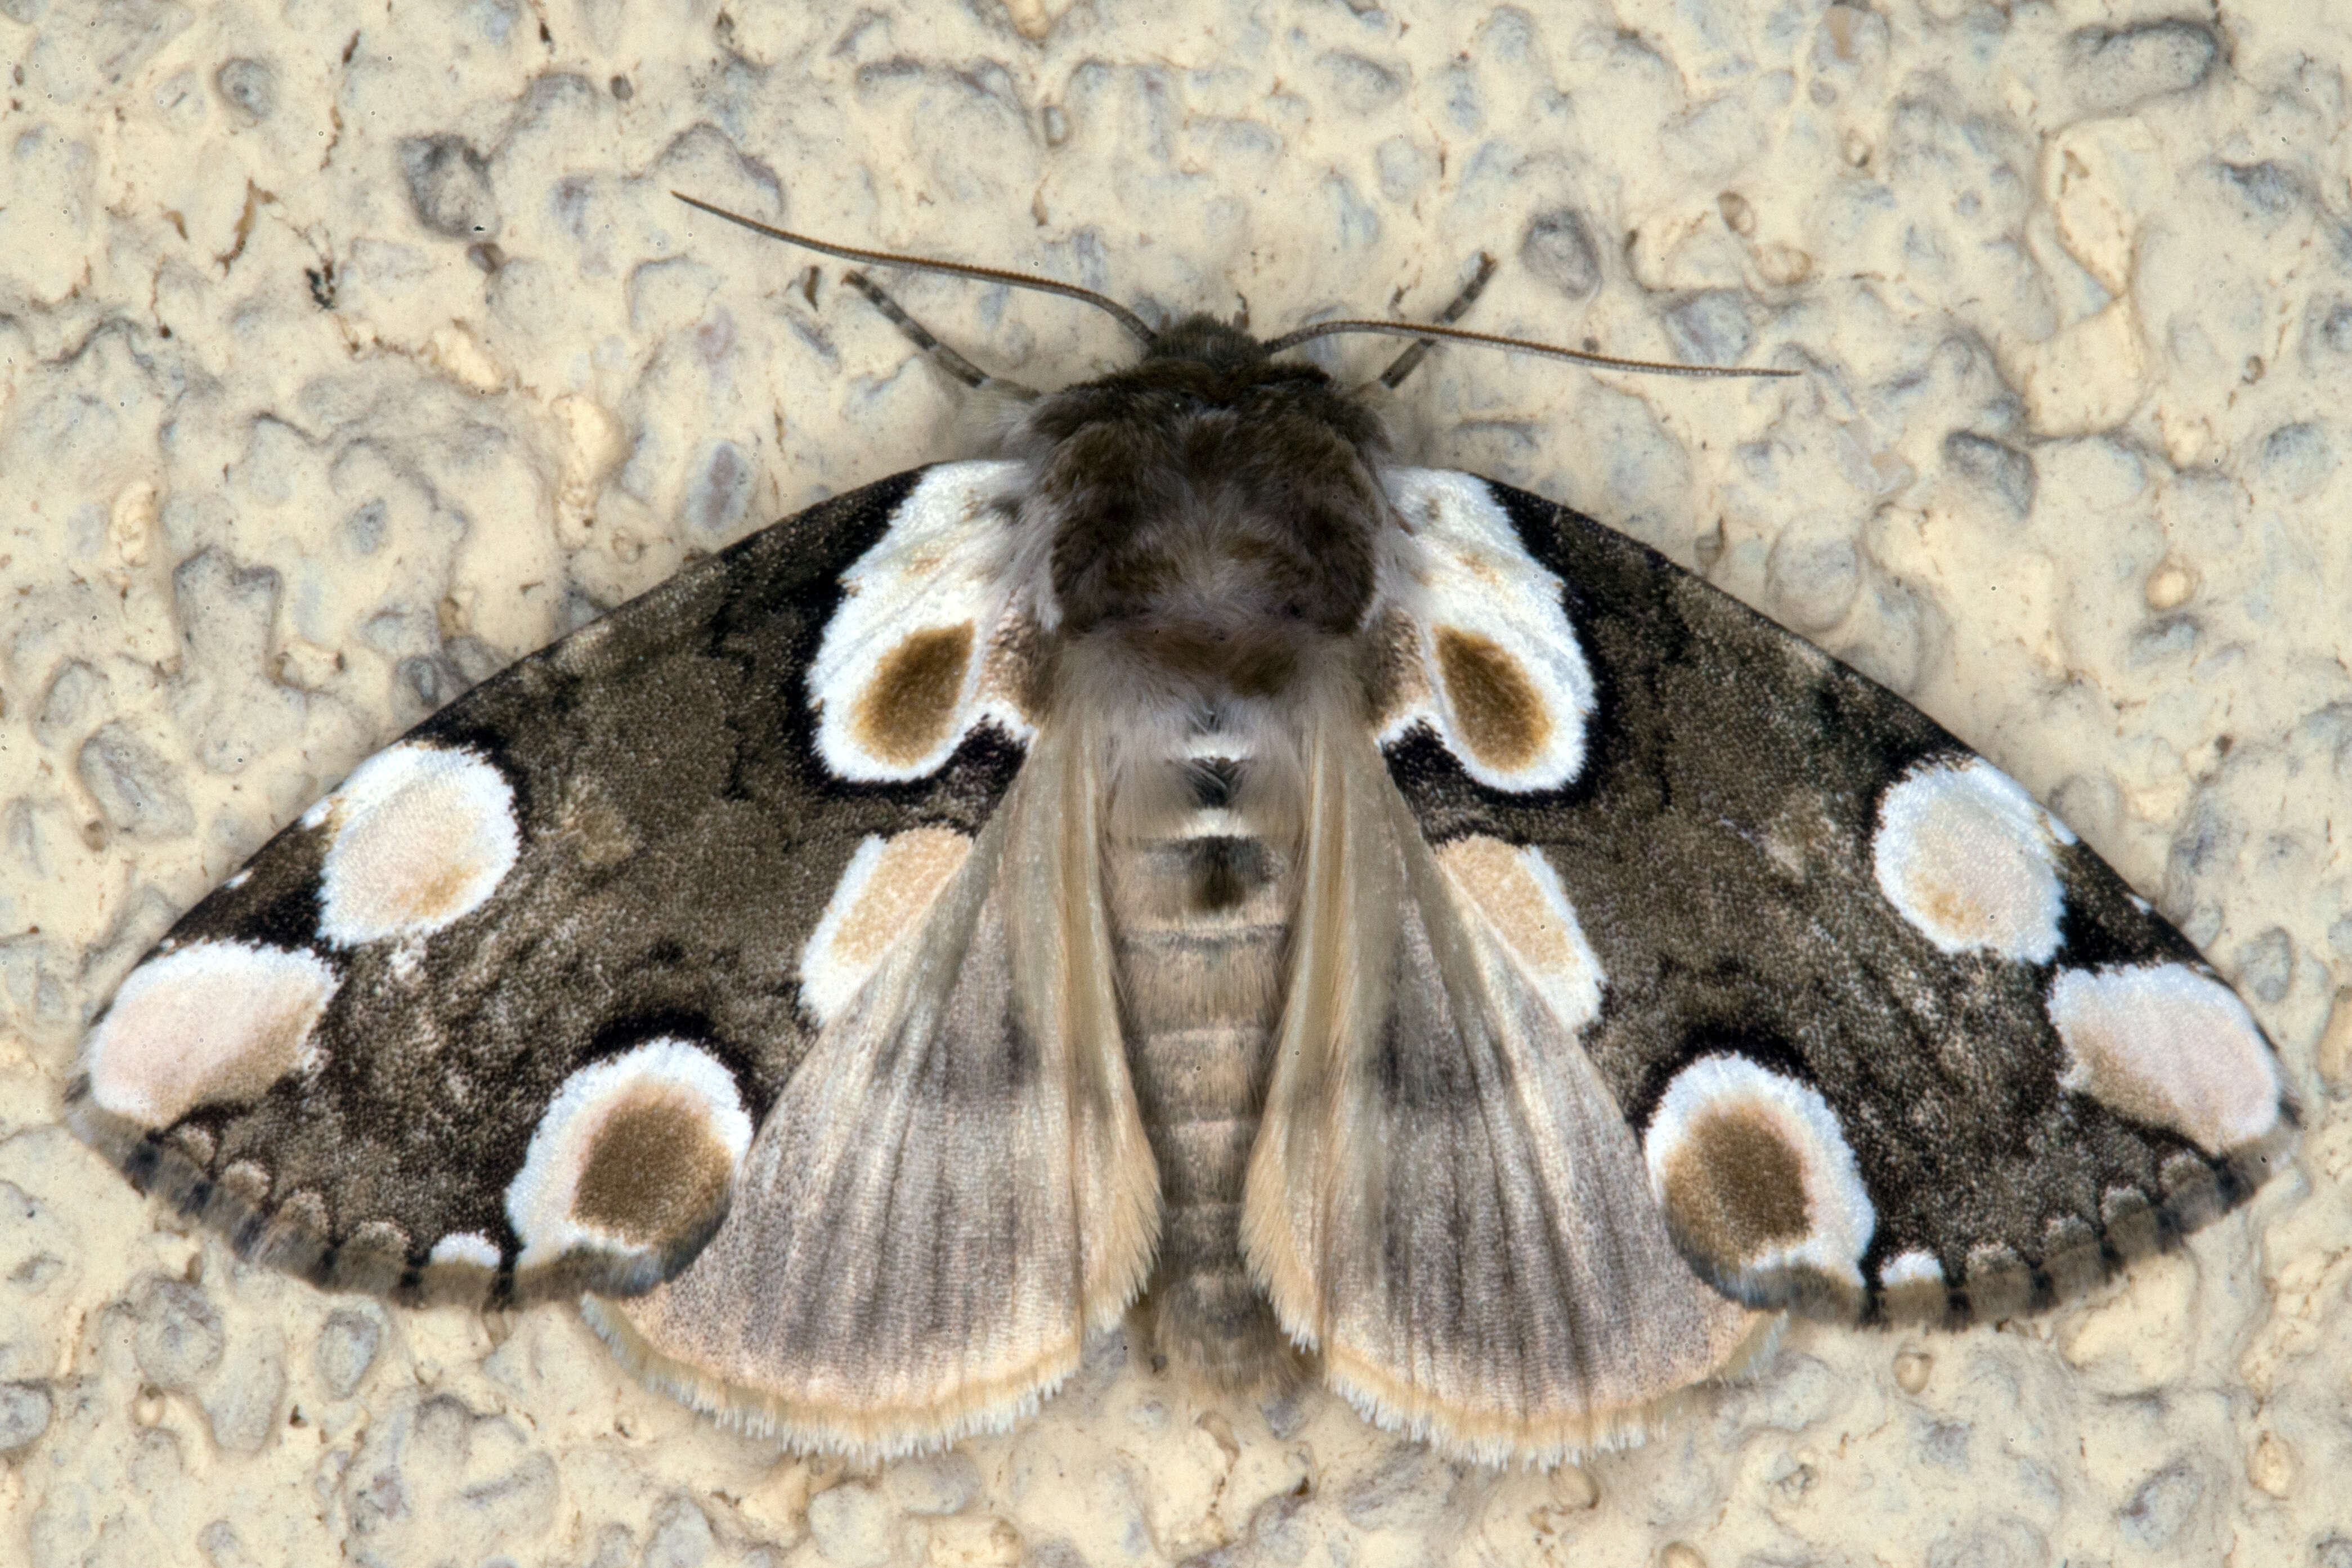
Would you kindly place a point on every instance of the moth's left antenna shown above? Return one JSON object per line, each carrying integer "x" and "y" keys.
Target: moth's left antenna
{"x": 1121, "y": 313}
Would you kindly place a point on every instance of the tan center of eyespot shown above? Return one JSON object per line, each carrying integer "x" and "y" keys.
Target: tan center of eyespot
{"x": 654, "y": 1172}
{"x": 904, "y": 710}
{"x": 1735, "y": 1188}
{"x": 1496, "y": 707}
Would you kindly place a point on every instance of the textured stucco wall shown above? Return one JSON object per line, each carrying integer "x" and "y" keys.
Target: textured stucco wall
{"x": 348, "y": 350}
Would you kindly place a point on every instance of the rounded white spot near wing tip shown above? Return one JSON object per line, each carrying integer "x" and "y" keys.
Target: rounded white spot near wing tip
{"x": 422, "y": 836}
{"x": 1965, "y": 854}
{"x": 1839, "y": 1212}
{"x": 211, "y": 1020}
{"x": 538, "y": 1200}
{"x": 468, "y": 1247}
{"x": 2167, "y": 1045}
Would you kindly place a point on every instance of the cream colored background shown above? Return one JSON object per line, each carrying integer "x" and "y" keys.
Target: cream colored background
{"x": 308, "y": 418}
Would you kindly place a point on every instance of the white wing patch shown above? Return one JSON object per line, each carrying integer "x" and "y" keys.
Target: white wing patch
{"x": 2165, "y": 1045}
{"x": 1965, "y": 854}
{"x": 1756, "y": 1175}
{"x": 633, "y": 1153}
{"x": 422, "y": 834}
{"x": 889, "y": 887}
{"x": 904, "y": 672}
{"x": 1521, "y": 897}
{"x": 464, "y": 1249}
{"x": 1499, "y": 674}
{"x": 214, "y": 1021}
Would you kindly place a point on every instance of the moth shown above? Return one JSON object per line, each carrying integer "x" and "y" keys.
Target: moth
{"x": 1410, "y": 934}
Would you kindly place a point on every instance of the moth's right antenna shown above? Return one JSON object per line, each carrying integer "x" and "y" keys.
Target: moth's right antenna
{"x": 1427, "y": 329}
{"x": 1118, "y": 312}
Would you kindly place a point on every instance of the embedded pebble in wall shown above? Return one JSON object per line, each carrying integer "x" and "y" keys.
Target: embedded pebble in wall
{"x": 681, "y": 1536}
{"x": 134, "y": 788}
{"x": 449, "y": 186}
{"x": 25, "y": 1410}
{"x": 346, "y": 1349}
{"x": 1996, "y": 467}
{"x": 242, "y": 1406}
{"x": 944, "y": 1483}
{"x": 176, "y": 1335}
{"x": 250, "y": 85}
{"x": 2115, "y": 67}
{"x": 852, "y": 1526}
{"x": 1558, "y": 249}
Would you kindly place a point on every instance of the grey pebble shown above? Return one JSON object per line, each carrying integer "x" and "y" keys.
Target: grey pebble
{"x": 2266, "y": 965}
{"x": 250, "y": 85}
{"x": 72, "y": 696}
{"x": 220, "y": 1546}
{"x": 2161, "y": 1505}
{"x": 2006, "y": 1542}
{"x": 938, "y": 1483}
{"x": 2007, "y": 472}
{"x": 1711, "y": 328}
{"x": 1409, "y": 1488}
{"x": 851, "y": 1526}
{"x": 177, "y": 1338}
{"x": 346, "y": 1349}
{"x": 242, "y": 1407}
{"x": 449, "y": 186}
{"x": 615, "y": 1548}
{"x": 2112, "y": 67}
{"x": 24, "y": 1415}
{"x": 1359, "y": 85}
{"x": 1811, "y": 579}
{"x": 681, "y": 1537}
{"x": 2270, "y": 191}
{"x": 132, "y": 785}
{"x": 2298, "y": 459}
{"x": 1557, "y": 249}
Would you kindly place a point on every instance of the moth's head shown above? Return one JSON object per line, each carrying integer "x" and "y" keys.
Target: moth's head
{"x": 1208, "y": 340}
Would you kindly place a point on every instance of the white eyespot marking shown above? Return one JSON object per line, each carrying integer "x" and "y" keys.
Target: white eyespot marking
{"x": 1966, "y": 854}
{"x": 2167, "y": 1045}
{"x": 422, "y": 834}
{"x": 1492, "y": 663}
{"x": 888, "y": 885}
{"x": 469, "y": 1248}
{"x": 217, "y": 1021}
{"x": 1755, "y": 1173}
{"x": 633, "y": 1153}
{"x": 914, "y": 658}
{"x": 1521, "y": 897}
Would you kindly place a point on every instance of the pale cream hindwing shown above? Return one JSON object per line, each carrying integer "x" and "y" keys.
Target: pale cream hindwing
{"x": 953, "y": 1189}
{"x": 1444, "y": 1199}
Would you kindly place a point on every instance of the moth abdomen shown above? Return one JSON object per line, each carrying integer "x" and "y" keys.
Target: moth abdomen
{"x": 1200, "y": 913}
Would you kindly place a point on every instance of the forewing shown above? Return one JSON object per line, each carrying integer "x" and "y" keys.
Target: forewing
{"x": 500, "y": 1015}
{"x": 1892, "y": 1038}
